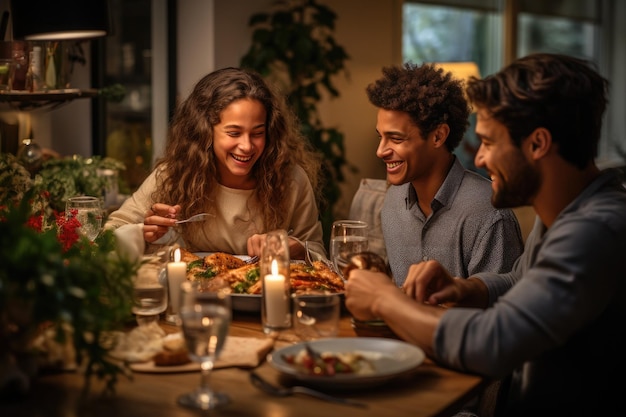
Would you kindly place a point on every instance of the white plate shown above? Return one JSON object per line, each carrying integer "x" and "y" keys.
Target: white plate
{"x": 391, "y": 359}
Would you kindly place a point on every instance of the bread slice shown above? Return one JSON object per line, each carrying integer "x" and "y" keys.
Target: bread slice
{"x": 174, "y": 351}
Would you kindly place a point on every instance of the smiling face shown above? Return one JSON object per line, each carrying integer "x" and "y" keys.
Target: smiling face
{"x": 515, "y": 180}
{"x": 239, "y": 140}
{"x": 408, "y": 156}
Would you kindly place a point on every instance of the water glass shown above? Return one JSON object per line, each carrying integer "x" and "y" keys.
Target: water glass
{"x": 346, "y": 238}
{"x": 276, "y": 292}
{"x": 89, "y": 212}
{"x": 149, "y": 291}
{"x": 316, "y": 315}
{"x": 205, "y": 318}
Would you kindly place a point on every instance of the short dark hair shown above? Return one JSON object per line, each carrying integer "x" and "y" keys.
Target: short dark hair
{"x": 428, "y": 94}
{"x": 563, "y": 94}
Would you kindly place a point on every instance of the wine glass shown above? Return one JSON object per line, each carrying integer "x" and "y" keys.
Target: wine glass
{"x": 347, "y": 237}
{"x": 205, "y": 317}
{"x": 149, "y": 291}
{"x": 88, "y": 211}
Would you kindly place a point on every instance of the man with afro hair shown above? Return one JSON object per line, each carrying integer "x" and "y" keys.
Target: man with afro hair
{"x": 434, "y": 208}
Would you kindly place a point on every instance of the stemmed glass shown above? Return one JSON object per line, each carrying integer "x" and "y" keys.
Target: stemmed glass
{"x": 88, "y": 210}
{"x": 149, "y": 291}
{"x": 347, "y": 237}
{"x": 205, "y": 317}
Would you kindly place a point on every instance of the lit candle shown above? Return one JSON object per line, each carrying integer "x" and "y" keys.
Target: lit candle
{"x": 276, "y": 303}
{"x": 176, "y": 275}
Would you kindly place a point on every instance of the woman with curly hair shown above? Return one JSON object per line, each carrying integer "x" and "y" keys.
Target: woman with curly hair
{"x": 434, "y": 207}
{"x": 234, "y": 150}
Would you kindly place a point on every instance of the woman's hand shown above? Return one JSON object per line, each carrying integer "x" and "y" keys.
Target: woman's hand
{"x": 255, "y": 244}
{"x": 159, "y": 218}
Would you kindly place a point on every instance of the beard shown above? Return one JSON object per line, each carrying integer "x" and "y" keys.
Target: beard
{"x": 520, "y": 185}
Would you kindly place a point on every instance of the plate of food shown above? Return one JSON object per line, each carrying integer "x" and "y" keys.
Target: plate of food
{"x": 219, "y": 269}
{"x": 347, "y": 362}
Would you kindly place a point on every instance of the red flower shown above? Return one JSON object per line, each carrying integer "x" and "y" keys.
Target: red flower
{"x": 68, "y": 234}
{"x": 35, "y": 222}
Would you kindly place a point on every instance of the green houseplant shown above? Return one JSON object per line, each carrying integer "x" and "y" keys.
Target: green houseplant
{"x": 52, "y": 279}
{"x": 295, "y": 48}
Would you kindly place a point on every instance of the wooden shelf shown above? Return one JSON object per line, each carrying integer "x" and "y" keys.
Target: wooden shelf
{"x": 26, "y": 101}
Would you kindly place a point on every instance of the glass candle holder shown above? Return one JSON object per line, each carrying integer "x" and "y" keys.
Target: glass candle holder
{"x": 276, "y": 294}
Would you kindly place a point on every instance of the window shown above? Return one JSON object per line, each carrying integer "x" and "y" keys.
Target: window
{"x": 491, "y": 33}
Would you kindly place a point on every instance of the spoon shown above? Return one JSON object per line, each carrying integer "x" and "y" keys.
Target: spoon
{"x": 195, "y": 218}
{"x": 271, "y": 389}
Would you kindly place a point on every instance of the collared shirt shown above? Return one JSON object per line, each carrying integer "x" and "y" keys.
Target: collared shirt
{"x": 557, "y": 320}
{"x": 464, "y": 232}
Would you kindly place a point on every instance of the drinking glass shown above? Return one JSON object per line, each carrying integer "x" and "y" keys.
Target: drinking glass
{"x": 7, "y": 67}
{"x": 347, "y": 237}
{"x": 149, "y": 291}
{"x": 316, "y": 314}
{"x": 205, "y": 318}
{"x": 88, "y": 210}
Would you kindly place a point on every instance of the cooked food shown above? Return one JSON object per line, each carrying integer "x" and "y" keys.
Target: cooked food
{"x": 330, "y": 363}
{"x": 303, "y": 278}
{"x": 174, "y": 351}
{"x": 222, "y": 262}
{"x": 188, "y": 257}
{"x": 317, "y": 277}
{"x": 221, "y": 269}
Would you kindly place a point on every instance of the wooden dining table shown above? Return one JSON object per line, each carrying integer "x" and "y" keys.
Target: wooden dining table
{"x": 430, "y": 390}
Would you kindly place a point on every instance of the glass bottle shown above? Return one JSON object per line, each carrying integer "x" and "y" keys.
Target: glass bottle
{"x": 34, "y": 79}
{"x": 20, "y": 59}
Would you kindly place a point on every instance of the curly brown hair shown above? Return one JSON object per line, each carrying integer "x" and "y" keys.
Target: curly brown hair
{"x": 562, "y": 93}
{"x": 429, "y": 95}
{"x": 187, "y": 173}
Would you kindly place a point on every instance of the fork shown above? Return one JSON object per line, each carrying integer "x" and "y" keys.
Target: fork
{"x": 312, "y": 255}
{"x": 272, "y": 389}
{"x": 195, "y": 218}
{"x": 254, "y": 259}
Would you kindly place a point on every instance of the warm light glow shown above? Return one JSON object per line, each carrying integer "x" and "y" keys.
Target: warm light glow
{"x": 460, "y": 70}
{"x": 177, "y": 255}
{"x": 60, "y": 36}
{"x": 274, "y": 267}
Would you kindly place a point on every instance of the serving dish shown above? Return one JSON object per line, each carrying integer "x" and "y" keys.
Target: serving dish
{"x": 390, "y": 358}
{"x": 247, "y": 303}
{"x": 372, "y": 328}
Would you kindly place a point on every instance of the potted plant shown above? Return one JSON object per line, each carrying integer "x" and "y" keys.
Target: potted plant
{"x": 52, "y": 280}
{"x": 294, "y": 47}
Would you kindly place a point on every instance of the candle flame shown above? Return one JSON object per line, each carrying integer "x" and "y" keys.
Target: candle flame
{"x": 177, "y": 255}
{"x": 274, "y": 267}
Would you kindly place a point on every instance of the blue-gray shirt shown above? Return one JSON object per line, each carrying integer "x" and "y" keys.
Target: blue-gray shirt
{"x": 558, "y": 319}
{"x": 464, "y": 232}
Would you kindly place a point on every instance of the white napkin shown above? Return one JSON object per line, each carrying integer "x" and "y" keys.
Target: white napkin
{"x": 130, "y": 242}
{"x": 244, "y": 352}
